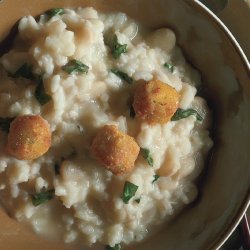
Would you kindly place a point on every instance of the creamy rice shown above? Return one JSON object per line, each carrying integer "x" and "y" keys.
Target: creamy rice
{"x": 87, "y": 206}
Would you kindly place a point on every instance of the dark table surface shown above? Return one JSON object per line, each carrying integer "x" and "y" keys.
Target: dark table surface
{"x": 240, "y": 239}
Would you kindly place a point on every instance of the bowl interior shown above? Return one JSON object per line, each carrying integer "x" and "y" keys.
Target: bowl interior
{"x": 224, "y": 191}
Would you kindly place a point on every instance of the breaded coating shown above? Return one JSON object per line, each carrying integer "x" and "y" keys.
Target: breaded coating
{"x": 115, "y": 150}
{"x": 29, "y": 137}
{"x": 155, "y": 101}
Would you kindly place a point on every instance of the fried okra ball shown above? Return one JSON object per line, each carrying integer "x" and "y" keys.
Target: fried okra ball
{"x": 115, "y": 150}
{"x": 29, "y": 137}
{"x": 155, "y": 101}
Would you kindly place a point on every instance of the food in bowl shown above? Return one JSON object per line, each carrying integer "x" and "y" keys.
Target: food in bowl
{"x": 115, "y": 150}
{"x": 29, "y": 137}
{"x": 122, "y": 134}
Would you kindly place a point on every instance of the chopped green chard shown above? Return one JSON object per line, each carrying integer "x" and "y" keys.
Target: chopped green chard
{"x": 122, "y": 75}
{"x": 40, "y": 94}
{"x": 116, "y": 48}
{"x": 75, "y": 66}
{"x": 55, "y": 12}
{"x": 184, "y": 113}
{"x": 80, "y": 128}
{"x": 129, "y": 191}
{"x": 116, "y": 247}
{"x": 169, "y": 66}
{"x": 138, "y": 200}
{"x": 24, "y": 71}
{"x": 156, "y": 177}
{"x": 147, "y": 156}
{"x": 43, "y": 196}
{"x": 132, "y": 111}
{"x": 5, "y": 123}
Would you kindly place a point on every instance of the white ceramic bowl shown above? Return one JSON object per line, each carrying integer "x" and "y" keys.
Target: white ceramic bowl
{"x": 209, "y": 46}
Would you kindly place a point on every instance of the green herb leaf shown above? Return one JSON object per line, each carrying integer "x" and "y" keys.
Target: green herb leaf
{"x": 75, "y": 66}
{"x": 116, "y": 48}
{"x": 80, "y": 128}
{"x": 156, "y": 177}
{"x": 181, "y": 113}
{"x": 55, "y": 12}
{"x": 116, "y": 247}
{"x": 132, "y": 111}
{"x": 122, "y": 75}
{"x": 147, "y": 156}
{"x": 42, "y": 197}
{"x": 138, "y": 200}
{"x": 40, "y": 94}
{"x": 24, "y": 71}
{"x": 169, "y": 66}
{"x": 5, "y": 123}
{"x": 129, "y": 191}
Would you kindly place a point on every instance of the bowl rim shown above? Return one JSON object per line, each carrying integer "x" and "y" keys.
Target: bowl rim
{"x": 211, "y": 15}
{"x": 222, "y": 238}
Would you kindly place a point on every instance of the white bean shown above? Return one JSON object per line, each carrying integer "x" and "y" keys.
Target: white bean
{"x": 163, "y": 38}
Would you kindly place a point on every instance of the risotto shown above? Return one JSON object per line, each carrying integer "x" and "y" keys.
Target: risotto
{"x": 102, "y": 134}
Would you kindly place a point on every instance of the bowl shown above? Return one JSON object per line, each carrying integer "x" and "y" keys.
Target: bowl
{"x": 211, "y": 48}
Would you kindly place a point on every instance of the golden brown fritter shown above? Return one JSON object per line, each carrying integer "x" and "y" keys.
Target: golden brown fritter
{"x": 155, "y": 101}
{"x": 29, "y": 137}
{"x": 115, "y": 150}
